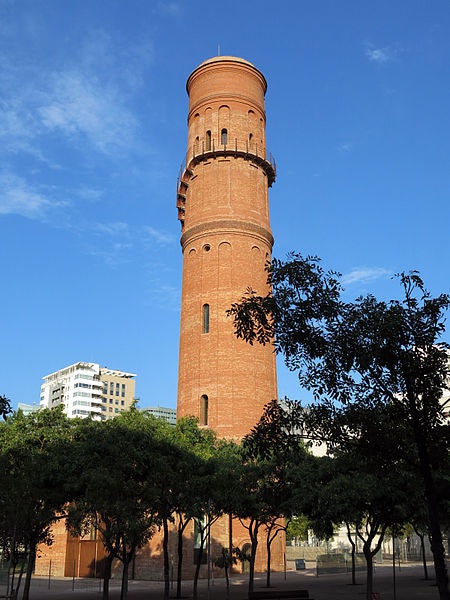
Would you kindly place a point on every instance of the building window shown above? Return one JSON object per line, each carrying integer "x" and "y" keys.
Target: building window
{"x": 204, "y": 410}
{"x": 208, "y": 140}
{"x": 205, "y": 318}
{"x": 224, "y": 137}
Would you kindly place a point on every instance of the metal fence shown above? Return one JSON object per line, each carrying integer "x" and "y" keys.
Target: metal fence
{"x": 339, "y": 563}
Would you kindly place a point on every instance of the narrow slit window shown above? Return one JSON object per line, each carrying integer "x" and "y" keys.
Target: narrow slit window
{"x": 204, "y": 410}
{"x": 224, "y": 137}
{"x": 208, "y": 140}
{"x": 205, "y": 318}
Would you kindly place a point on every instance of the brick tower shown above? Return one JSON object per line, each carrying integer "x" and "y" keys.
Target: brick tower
{"x": 226, "y": 240}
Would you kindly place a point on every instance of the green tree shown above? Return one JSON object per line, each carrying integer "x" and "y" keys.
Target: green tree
{"x": 264, "y": 499}
{"x": 5, "y": 407}
{"x": 297, "y": 528}
{"x": 122, "y": 465}
{"x": 35, "y": 480}
{"x": 276, "y": 450}
{"x": 191, "y": 486}
{"x": 219, "y": 496}
{"x": 367, "y": 352}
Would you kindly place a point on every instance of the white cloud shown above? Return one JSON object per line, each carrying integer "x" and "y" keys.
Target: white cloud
{"x": 118, "y": 228}
{"x": 80, "y": 107}
{"x": 345, "y": 148}
{"x": 120, "y": 242}
{"x": 164, "y": 295}
{"x": 126, "y": 63}
{"x": 19, "y": 198}
{"x": 158, "y": 236}
{"x": 172, "y": 9}
{"x": 115, "y": 256}
{"x": 378, "y": 55}
{"x": 90, "y": 194}
{"x": 364, "y": 275}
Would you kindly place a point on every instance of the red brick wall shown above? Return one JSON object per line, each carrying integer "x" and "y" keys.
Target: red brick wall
{"x": 226, "y": 242}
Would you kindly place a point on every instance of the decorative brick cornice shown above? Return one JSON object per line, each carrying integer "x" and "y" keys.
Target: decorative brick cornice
{"x": 224, "y": 227}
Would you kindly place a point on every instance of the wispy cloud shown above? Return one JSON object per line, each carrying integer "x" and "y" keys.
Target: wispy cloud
{"x": 84, "y": 100}
{"x": 78, "y": 106}
{"x": 165, "y": 296}
{"x": 116, "y": 255}
{"x": 118, "y": 228}
{"x": 379, "y": 55}
{"x": 158, "y": 236}
{"x": 18, "y": 197}
{"x": 116, "y": 242}
{"x": 364, "y": 275}
{"x": 172, "y": 9}
{"x": 345, "y": 147}
{"x": 90, "y": 194}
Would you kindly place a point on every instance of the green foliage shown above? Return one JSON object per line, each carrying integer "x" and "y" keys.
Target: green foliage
{"x": 227, "y": 560}
{"x": 35, "y": 479}
{"x": 366, "y": 362}
{"x": 298, "y": 527}
{"x": 5, "y": 406}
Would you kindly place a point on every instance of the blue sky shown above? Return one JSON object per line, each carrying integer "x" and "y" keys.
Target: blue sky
{"x": 93, "y": 132}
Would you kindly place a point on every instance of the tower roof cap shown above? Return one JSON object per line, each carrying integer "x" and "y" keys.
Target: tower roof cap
{"x": 226, "y": 58}
{"x": 223, "y": 59}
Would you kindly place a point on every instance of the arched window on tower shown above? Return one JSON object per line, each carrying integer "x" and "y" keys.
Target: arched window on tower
{"x": 204, "y": 410}
{"x": 205, "y": 318}
{"x": 224, "y": 137}
{"x": 208, "y": 140}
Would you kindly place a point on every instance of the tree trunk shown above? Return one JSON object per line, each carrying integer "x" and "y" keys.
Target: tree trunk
{"x": 269, "y": 540}
{"x": 107, "y": 576}
{"x": 370, "y": 552}
{"x": 253, "y": 530}
{"x": 422, "y": 553}
{"x": 269, "y": 547}
{"x": 353, "y": 545}
{"x": 29, "y": 573}
{"x": 124, "y": 588}
{"x": 180, "y": 557}
{"x": 227, "y": 578}
{"x": 166, "y": 558}
{"x": 199, "y": 562}
{"x": 437, "y": 546}
{"x": 369, "y": 574}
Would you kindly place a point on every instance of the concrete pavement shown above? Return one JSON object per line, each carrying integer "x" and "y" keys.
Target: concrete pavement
{"x": 410, "y": 585}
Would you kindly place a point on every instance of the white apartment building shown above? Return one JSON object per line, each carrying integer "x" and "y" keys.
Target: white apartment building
{"x": 162, "y": 412}
{"x": 88, "y": 390}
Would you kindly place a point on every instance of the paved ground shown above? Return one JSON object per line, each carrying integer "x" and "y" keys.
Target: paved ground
{"x": 410, "y": 585}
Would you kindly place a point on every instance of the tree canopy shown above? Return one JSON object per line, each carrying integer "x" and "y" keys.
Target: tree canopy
{"x": 368, "y": 353}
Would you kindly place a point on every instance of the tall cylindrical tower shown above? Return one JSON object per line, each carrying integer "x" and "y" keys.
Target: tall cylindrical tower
{"x": 226, "y": 240}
